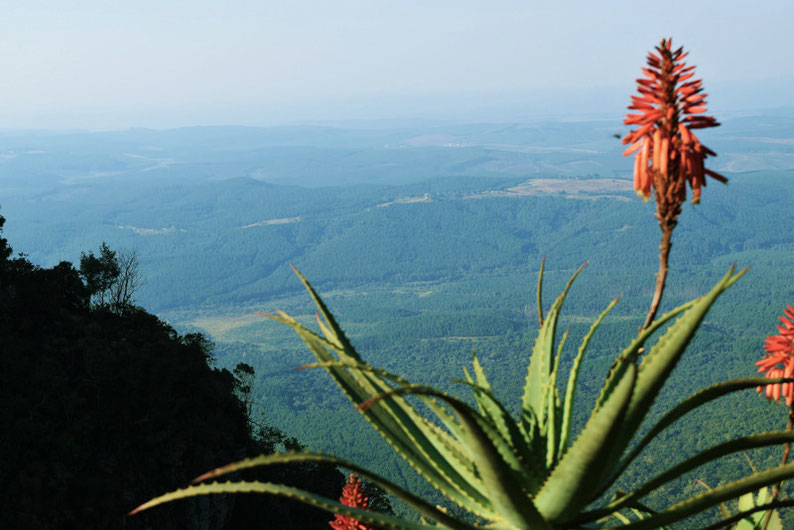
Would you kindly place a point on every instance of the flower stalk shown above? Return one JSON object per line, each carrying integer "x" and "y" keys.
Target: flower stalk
{"x": 667, "y": 154}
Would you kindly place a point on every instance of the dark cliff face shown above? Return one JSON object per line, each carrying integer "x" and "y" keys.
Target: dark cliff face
{"x": 102, "y": 411}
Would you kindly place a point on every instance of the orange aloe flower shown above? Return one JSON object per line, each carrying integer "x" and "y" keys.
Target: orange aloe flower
{"x": 353, "y": 496}
{"x": 779, "y": 351}
{"x": 667, "y": 152}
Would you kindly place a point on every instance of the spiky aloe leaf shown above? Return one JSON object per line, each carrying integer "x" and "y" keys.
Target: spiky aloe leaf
{"x": 529, "y": 465}
{"x": 397, "y": 421}
{"x": 552, "y": 407}
{"x": 496, "y": 463}
{"x": 540, "y": 291}
{"x": 411, "y": 436}
{"x": 365, "y": 516}
{"x": 747, "y": 502}
{"x": 358, "y": 366}
{"x": 540, "y": 363}
{"x": 482, "y": 380}
{"x": 689, "y": 404}
{"x": 757, "y": 520}
{"x": 663, "y": 356}
{"x": 448, "y": 445}
{"x": 702, "y": 501}
{"x": 659, "y": 362}
{"x": 570, "y": 484}
{"x": 470, "y": 381}
{"x": 644, "y": 514}
{"x": 721, "y": 507}
{"x": 639, "y": 510}
{"x": 403, "y": 413}
{"x": 732, "y": 446}
{"x": 335, "y": 334}
{"x": 455, "y": 453}
{"x": 726, "y": 522}
{"x": 529, "y": 426}
{"x": 570, "y": 389}
{"x": 423, "y": 507}
{"x": 630, "y": 354}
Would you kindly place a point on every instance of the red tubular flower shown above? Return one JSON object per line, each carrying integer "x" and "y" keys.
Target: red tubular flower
{"x": 353, "y": 496}
{"x": 667, "y": 152}
{"x": 779, "y": 351}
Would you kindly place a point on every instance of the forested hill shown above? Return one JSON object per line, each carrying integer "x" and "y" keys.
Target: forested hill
{"x": 218, "y": 213}
{"x": 105, "y": 406}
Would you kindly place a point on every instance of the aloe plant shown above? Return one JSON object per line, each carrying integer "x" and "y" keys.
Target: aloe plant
{"x": 522, "y": 471}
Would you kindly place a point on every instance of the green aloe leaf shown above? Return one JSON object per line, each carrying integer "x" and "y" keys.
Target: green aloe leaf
{"x": 663, "y": 356}
{"x": 721, "y": 507}
{"x": 732, "y": 446}
{"x": 540, "y": 291}
{"x": 470, "y": 381}
{"x": 747, "y": 502}
{"x": 455, "y": 453}
{"x": 540, "y": 363}
{"x": 485, "y": 403}
{"x": 516, "y": 451}
{"x": 630, "y": 354}
{"x": 365, "y": 516}
{"x": 569, "y": 486}
{"x": 553, "y": 407}
{"x": 364, "y": 367}
{"x": 774, "y": 524}
{"x": 689, "y": 404}
{"x": 659, "y": 362}
{"x": 573, "y": 378}
{"x": 498, "y": 466}
{"x": 756, "y": 520}
{"x": 702, "y": 501}
{"x": 423, "y": 507}
{"x": 479, "y": 372}
{"x": 396, "y": 420}
{"x": 335, "y": 330}
{"x": 447, "y": 445}
{"x": 403, "y": 428}
{"x": 529, "y": 426}
{"x": 639, "y": 510}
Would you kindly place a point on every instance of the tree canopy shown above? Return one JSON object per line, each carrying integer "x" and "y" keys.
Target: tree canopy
{"x": 103, "y": 409}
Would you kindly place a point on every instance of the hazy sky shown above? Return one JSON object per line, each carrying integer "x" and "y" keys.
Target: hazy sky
{"x": 164, "y": 63}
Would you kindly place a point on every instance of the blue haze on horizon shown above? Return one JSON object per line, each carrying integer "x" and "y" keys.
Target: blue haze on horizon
{"x": 93, "y": 64}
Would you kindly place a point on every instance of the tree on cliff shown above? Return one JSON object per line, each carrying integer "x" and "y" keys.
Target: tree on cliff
{"x": 112, "y": 278}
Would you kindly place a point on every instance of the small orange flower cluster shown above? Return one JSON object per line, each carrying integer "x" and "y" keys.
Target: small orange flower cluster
{"x": 670, "y": 105}
{"x": 779, "y": 350}
{"x": 353, "y": 496}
